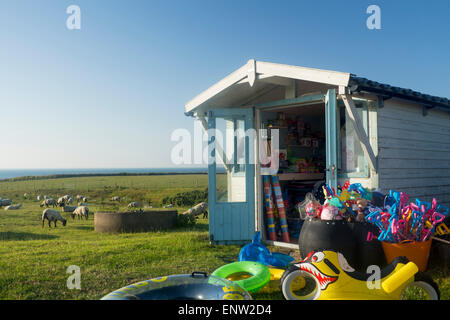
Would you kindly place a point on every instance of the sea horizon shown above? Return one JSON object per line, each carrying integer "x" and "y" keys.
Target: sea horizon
{"x": 15, "y": 173}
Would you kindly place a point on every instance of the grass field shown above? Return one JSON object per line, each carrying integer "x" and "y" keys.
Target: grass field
{"x": 34, "y": 260}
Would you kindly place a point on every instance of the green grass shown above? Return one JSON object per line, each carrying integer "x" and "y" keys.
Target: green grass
{"x": 34, "y": 260}
{"x": 101, "y": 189}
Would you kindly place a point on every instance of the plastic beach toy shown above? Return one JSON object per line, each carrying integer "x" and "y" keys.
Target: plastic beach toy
{"x": 195, "y": 286}
{"x": 260, "y": 274}
{"x": 257, "y": 252}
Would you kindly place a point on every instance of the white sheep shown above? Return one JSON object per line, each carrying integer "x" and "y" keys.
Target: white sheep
{"x": 69, "y": 200}
{"x": 61, "y": 201}
{"x": 81, "y": 211}
{"x": 14, "y": 207}
{"x": 200, "y": 208}
{"x": 134, "y": 204}
{"x": 39, "y": 198}
{"x": 68, "y": 208}
{"x": 116, "y": 198}
{"x": 48, "y": 203}
{"x": 52, "y": 215}
{"x": 85, "y": 199}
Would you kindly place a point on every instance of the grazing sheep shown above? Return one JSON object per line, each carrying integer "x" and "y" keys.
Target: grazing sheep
{"x": 200, "y": 208}
{"x": 134, "y": 204}
{"x": 116, "y": 198}
{"x": 85, "y": 199}
{"x": 81, "y": 212}
{"x": 14, "y": 207}
{"x": 68, "y": 208}
{"x": 61, "y": 201}
{"x": 52, "y": 215}
{"x": 6, "y": 202}
{"x": 39, "y": 198}
{"x": 48, "y": 203}
{"x": 69, "y": 200}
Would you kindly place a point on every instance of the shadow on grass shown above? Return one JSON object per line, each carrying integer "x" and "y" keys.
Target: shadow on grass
{"x": 25, "y": 236}
{"x": 195, "y": 227}
{"x": 87, "y": 228}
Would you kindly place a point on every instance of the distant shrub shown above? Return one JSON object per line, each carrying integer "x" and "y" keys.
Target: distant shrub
{"x": 187, "y": 199}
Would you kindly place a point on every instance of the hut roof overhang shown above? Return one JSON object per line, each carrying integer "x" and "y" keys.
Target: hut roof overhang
{"x": 257, "y": 77}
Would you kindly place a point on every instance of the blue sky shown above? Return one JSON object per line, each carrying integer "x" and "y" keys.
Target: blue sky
{"x": 110, "y": 94}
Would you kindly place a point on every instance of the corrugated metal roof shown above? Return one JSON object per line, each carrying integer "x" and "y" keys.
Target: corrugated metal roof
{"x": 388, "y": 91}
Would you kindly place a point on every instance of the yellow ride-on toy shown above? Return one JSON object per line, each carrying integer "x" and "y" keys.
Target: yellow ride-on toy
{"x": 328, "y": 276}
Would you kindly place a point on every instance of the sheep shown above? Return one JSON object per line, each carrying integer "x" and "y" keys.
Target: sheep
{"x": 134, "y": 204}
{"x": 61, "y": 201}
{"x": 52, "y": 215}
{"x": 79, "y": 197}
{"x": 39, "y": 198}
{"x": 68, "y": 208}
{"x": 47, "y": 197}
{"x": 14, "y": 207}
{"x": 48, "y": 203}
{"x": 200, "y": 208}
{"x": 85, "y": 199}
{"x": 116, "y": 198}
{"x": 6, "y": 202}
{"x": 69, "y": 200}
{"x": 81, "y": 211}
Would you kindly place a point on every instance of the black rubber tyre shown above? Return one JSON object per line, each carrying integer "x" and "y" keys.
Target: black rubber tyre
{"x": 426, "y": 282}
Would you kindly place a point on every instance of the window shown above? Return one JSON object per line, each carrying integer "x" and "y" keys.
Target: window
{"x": 230, "y": 148}
{"x": 352, "y": 162}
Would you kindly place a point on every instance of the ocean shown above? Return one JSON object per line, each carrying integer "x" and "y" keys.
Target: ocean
{"x": 13, "y": 173}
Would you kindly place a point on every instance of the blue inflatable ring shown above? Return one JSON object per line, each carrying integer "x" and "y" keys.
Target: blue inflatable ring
{"x": 195, "y": 286}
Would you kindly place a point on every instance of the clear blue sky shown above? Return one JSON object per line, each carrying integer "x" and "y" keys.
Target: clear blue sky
{"x": 110, "y": 94}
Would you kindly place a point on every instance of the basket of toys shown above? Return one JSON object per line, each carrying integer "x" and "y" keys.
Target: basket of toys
{"x": 407, "y": 229}
{"x": 339, "y": 224}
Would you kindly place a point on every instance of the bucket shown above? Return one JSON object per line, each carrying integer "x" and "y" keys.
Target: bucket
{"x": 416, "y": 251}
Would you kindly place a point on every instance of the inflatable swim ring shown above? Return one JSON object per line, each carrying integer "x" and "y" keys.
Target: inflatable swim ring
{"x": 274, "y": 283}
{"x": 195, "y": 286}
{"x": 260, "y": 274}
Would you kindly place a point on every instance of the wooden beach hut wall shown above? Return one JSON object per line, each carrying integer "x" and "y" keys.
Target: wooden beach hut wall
{"x": 381, "y": 136}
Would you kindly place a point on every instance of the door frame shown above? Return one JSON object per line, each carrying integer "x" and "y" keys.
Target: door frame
{"x": 331, "y": 98}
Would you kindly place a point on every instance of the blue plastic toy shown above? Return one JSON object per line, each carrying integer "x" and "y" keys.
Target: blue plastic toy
{"x": 257, "y": 252}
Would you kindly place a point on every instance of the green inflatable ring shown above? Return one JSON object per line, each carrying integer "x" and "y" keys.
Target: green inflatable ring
{"x": 260, "y": 274}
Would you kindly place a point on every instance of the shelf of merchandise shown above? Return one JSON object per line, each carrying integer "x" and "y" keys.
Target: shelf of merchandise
{"x": 300, "y": 176}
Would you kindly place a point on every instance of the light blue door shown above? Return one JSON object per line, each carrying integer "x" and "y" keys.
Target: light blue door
{"x": 331, "y": 138}
{"x": 231, "y": 175}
